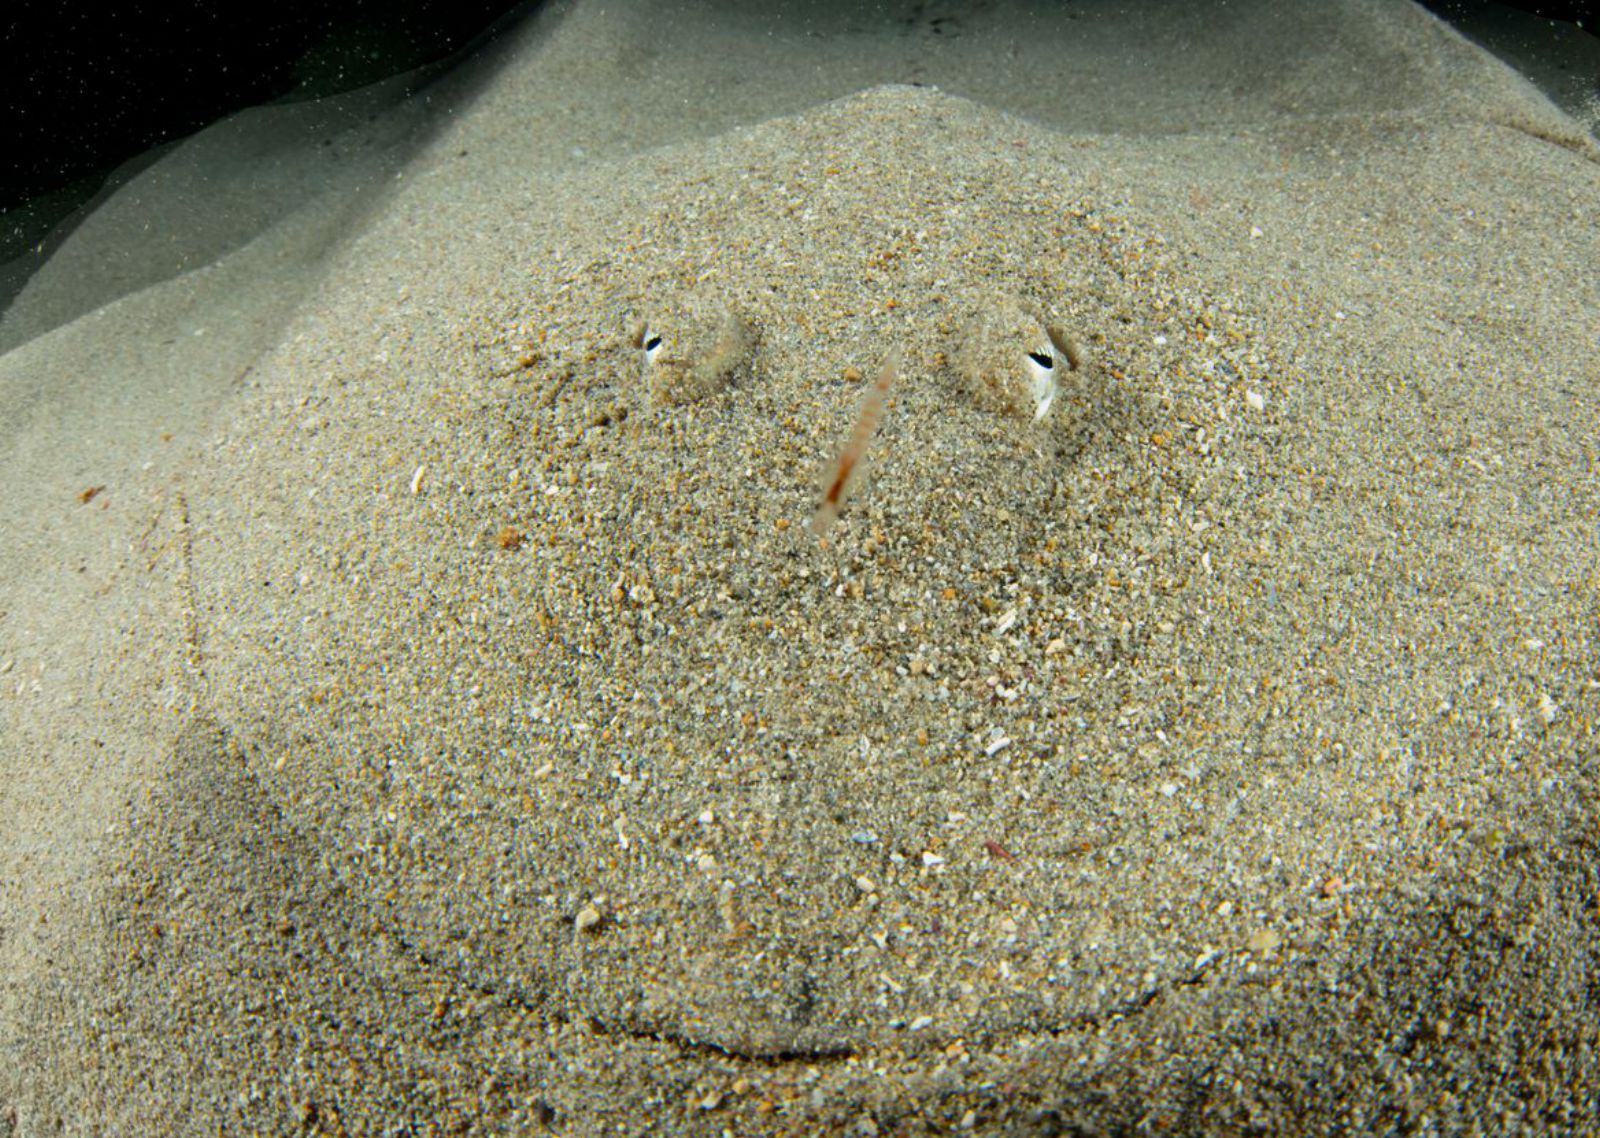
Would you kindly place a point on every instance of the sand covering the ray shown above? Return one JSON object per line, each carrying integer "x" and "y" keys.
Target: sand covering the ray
{"x": 467, "y": 733}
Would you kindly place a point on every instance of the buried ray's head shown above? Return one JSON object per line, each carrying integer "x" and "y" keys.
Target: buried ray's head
{"x": 690, "y": 350}
{"x": 1009, "y": 362}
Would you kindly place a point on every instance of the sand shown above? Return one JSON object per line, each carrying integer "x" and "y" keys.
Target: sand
{"x": 442, "y": 717}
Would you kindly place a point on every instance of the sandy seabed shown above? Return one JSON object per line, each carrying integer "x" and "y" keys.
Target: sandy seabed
{"x": 428, "y": 708}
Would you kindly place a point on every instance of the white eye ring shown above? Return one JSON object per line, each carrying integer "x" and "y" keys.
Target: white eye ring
{"x": 651, "y": 343}
{"x": 1041, "y": 371}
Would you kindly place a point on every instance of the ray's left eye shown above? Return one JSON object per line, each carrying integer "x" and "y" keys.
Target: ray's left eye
{"x": 1042, "y": 359}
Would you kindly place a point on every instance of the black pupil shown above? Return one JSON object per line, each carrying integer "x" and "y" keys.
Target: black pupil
{"x": 1042, "y": 360}
{"x": 652, "y": 343}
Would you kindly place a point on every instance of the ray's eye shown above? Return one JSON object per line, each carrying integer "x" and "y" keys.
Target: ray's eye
{"x": 1042, "y": 359}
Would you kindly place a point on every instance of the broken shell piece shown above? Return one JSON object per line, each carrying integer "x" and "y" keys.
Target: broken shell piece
{"x": 1008, "y": 361}
{"x": 690, "y": 350}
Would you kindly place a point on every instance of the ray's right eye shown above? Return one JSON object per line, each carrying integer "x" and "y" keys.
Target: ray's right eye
{"x": 1042, "y": 359}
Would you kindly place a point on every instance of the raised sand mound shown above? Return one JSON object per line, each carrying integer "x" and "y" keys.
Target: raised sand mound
{"x": 1189, "y": 717}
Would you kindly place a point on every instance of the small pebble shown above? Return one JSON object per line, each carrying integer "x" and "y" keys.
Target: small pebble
{"x": 1264, "y": 941}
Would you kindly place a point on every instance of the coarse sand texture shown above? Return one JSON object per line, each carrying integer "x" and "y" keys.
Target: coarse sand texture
{"x": 1184, "y": 720}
